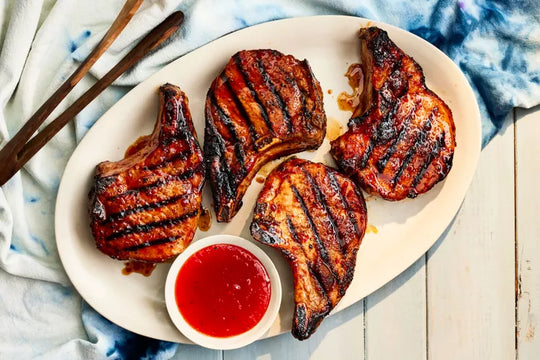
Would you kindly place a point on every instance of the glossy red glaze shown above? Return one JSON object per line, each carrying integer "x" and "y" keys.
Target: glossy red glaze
{"x": 222, "y": 290}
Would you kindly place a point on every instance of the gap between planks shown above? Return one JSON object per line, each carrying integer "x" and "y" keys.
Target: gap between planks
{"x": 470, "y": 274}
{"x": 527, "y": 247}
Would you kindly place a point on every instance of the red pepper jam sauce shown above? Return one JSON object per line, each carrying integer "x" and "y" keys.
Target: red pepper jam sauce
{"x": 222, "y": 290}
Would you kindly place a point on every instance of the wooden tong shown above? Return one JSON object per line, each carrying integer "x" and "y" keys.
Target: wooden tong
{"x": 20, "y": 149}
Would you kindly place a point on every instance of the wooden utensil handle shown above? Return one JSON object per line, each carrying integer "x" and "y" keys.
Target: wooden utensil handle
{"x": 11, "y": 149}
{"x": 17, "y": 159}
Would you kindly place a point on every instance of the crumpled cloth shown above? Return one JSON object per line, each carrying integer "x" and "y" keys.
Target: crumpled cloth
{"x": 495, "y": 43}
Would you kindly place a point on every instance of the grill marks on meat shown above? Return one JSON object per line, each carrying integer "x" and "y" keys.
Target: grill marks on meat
{"x": 317, "y": 218}
{"x": 401, "y": 138}
{"x": 146, "y": 206}
{"x": 263, "y": 105}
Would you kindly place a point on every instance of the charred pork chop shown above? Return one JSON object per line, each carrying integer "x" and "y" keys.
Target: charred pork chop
{"x": 316, "y": 217}
{"x": 401, "y": 138}
{"x": 263, "y": 105}
{"x": 145, "y": 207}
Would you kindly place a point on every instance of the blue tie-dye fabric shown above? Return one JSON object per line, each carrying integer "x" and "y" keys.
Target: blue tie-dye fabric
{"x": 495, "y": 43}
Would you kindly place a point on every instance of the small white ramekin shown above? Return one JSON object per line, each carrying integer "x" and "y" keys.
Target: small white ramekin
{"x": 223, "y": 343}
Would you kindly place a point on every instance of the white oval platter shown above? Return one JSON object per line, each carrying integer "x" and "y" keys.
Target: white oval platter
{"x": 405, "y": 229}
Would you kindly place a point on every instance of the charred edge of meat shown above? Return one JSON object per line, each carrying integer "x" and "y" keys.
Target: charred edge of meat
{"x": 223, "y": 177}
{"x": 315, "y": 89}
{"x": 222, "y": 180}
{"x": 168, "y": 90}
{"x": 377, "y": 40}
{"x": 177, "y": 115}
{"x": 305, "y": 326}
{"x": 264, "y": 236}
{"x": 96, "y": 208}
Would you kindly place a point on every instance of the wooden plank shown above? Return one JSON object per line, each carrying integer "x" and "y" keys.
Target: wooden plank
{"x": 470, "y": 271}
{"x": 528, "y": 233}
{"x": 340, "y": 336}
{"x": 196, "y": 352}
{"x": 396, "y": 317}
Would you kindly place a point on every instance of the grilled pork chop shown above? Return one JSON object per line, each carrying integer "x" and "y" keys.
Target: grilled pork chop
{"x": 401, "y": 138}
{"x": 263, "y": 105}
{"x": 316, "y": 217}
{"x": 145, "y": 207}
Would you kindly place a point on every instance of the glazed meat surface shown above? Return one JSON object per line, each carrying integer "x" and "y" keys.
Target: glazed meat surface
{"x": 317, "y": 218}
{"x": 263, "y": 105}
{"x": 146, "y": 206}
{"x": 401, "y": 138}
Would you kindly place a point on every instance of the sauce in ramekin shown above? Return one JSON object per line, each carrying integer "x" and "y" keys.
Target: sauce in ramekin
{"x": 222, "y": 290}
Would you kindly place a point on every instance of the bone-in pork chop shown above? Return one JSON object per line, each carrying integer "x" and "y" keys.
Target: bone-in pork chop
{"x": 401, "y": 138}
{"x": 146, "y": 206}
{"x": 262, "y": 106}
{"x": 317, "y": 218}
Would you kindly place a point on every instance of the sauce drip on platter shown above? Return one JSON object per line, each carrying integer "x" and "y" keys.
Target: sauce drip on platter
{"x": 205, "y": 220}
{"x": 139, "y": 267}
{"x": 137, "y": 145}
{"x": 349, "y": 102}
{"x": 371, "y": 229}
{"x": 333, "y": 129}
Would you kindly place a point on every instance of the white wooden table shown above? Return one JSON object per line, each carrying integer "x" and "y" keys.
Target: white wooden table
{"x": 474, "y": 295}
